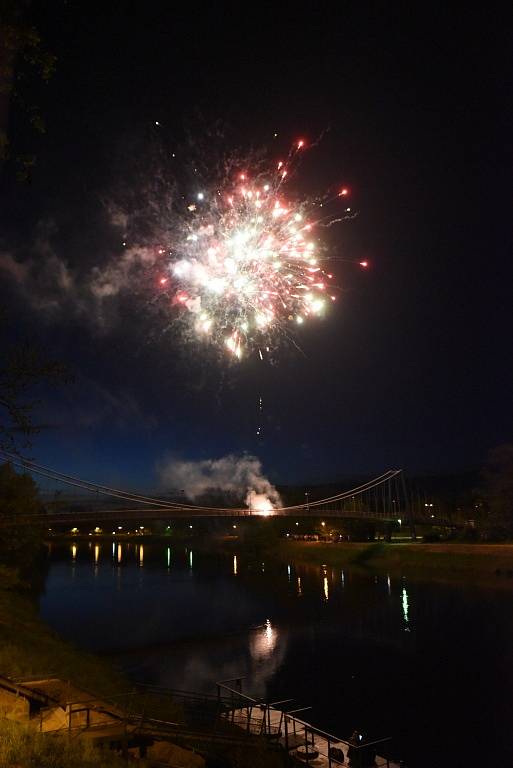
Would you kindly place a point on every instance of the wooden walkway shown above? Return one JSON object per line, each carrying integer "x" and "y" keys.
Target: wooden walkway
{"x": 304, "y": 743}
{"x": 231, "y": 718}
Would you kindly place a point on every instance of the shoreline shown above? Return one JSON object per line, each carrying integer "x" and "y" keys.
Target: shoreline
{"x": 489, "y": 565}
{"x": 29, "y": 648}
{"x": 485, "y": 564}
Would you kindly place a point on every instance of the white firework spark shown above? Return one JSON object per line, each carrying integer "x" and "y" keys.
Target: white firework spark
{"x": 247, "y": 266}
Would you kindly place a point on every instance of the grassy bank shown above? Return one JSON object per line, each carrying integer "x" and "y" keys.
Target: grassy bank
{"x": 21, "y": 747}
{"x": 491, "y": 563}
{"x": 28, "y": 648}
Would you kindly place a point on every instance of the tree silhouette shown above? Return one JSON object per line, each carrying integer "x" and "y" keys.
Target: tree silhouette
{"x": 19, "y": 543}
{"x": 498, "y": 489}
{"x": 22, "y": 368}
{"x": 23, "y": 59}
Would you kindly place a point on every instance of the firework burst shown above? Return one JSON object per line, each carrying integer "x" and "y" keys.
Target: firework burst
{"x": 247, "y": 266}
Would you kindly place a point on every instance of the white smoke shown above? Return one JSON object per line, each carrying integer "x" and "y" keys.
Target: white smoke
{"x": 48, "y": 284}
{"x": 239, "y": 476}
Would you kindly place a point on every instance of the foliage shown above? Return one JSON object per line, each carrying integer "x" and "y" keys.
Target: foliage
{"x": 360, "y": 530}
{"x": 369, "y": 553}
{"x": 441, "y": 561}
{"x": 498, "y": 491}
{"x": 9, "y": 579}
{"x": 22, "y": 368}
{"x": 23, "y": 747}
{"x": 19, "y": 542}
{"x": 28, "y": 648}
{"x": 23, "y": 58}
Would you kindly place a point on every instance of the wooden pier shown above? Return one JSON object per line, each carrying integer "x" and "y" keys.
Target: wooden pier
{"x": 231, "y": 718}
{"x": 304, "y": 744}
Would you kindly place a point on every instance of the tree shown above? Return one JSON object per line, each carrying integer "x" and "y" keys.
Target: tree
{"x": 19, "y": 541}
{"x": 498, "y": 490}
{"x": 22, "y": 369}
{"x": 22, "y": 55}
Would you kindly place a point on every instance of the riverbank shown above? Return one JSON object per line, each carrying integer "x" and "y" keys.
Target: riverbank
{"x": 30, "y": 649}
{"x": 484, "y": 563}
{"x": 490, "y": 564}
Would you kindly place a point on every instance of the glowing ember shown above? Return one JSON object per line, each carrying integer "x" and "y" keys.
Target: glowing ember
{"x": 259, "y": 504}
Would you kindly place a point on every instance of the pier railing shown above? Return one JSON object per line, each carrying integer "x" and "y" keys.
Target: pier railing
{"x": 300, "y": 739}
{"x": 229, "y": 716}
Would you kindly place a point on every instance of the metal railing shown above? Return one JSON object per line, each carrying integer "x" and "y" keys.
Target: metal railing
{"x": 299, "y": 738}
{"x": 228, "y": 717}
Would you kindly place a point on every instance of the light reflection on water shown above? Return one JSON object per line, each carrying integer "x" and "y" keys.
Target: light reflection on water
{"x": 325, "y": 588}
{"x": 265, "y": 644}
{"x": 405, "y": 609}
{"x": 263, "y": 641}
{"x": 331, "y": 638}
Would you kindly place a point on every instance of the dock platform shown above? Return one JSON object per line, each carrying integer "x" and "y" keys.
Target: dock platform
{"x": 303, "y": 742}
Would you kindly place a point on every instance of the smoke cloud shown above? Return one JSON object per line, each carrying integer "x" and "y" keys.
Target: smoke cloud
{"x": 239, "y": 476}
{"x": 52, "y": 286}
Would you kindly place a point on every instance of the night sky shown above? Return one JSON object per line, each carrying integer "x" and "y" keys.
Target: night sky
{"x": 411, "y": 367}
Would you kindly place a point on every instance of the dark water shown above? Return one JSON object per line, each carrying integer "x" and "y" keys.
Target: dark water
{"x": 429, "y": 664}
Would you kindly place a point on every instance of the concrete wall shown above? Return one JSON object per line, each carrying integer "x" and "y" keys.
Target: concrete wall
{"x": 52, "y": 719}
{"x": 163, "y": 752}
{"x": 14, "y": 707}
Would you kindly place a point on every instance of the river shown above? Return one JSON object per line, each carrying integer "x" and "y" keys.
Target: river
{"x": 429, "y": 664}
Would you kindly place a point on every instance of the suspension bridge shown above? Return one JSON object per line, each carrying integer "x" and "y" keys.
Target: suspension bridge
{"x": 384, "y": 497}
